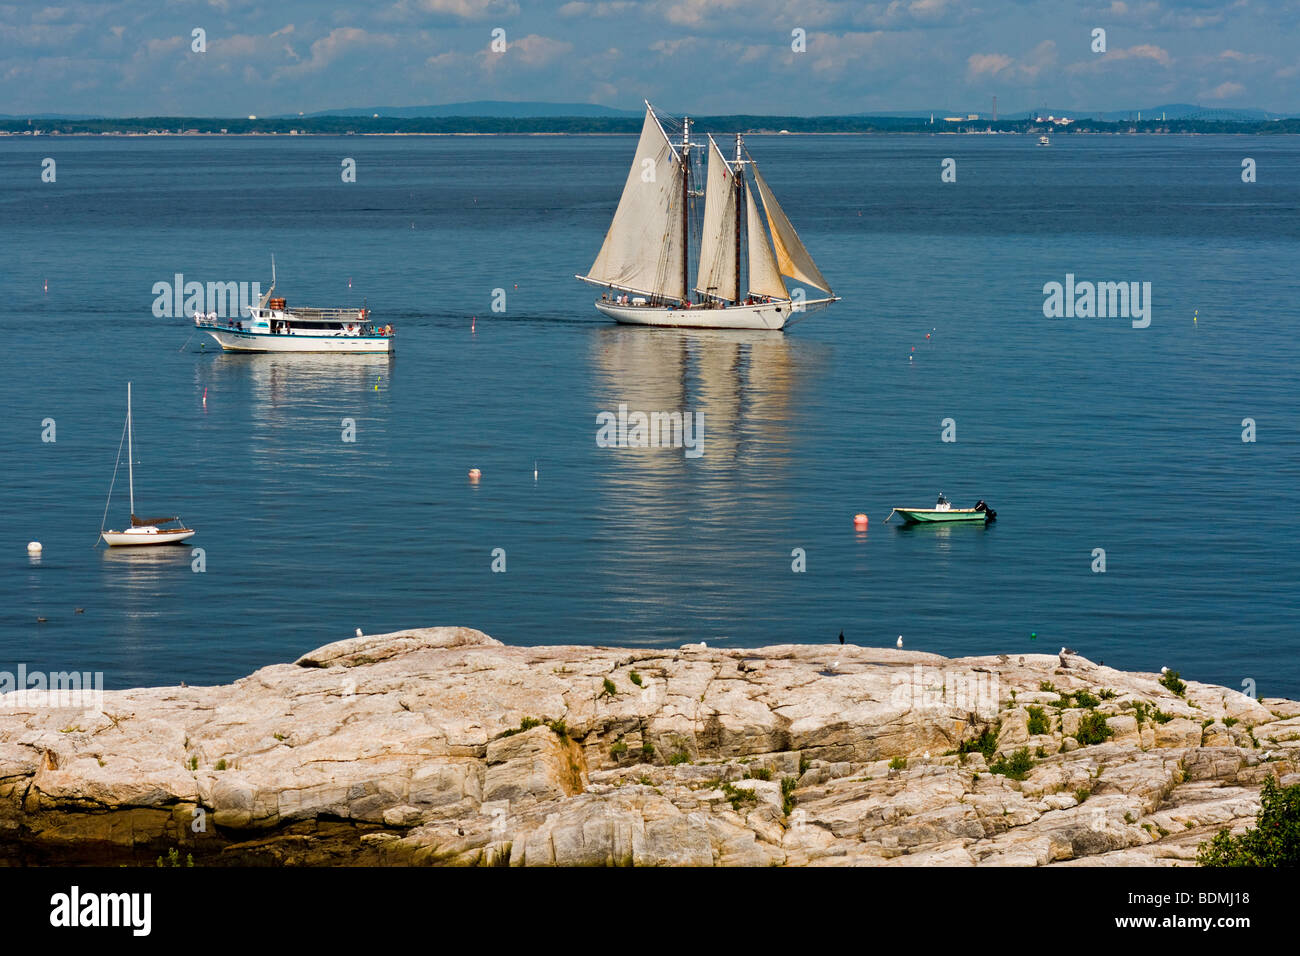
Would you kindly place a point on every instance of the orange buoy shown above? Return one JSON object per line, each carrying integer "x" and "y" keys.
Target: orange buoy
{"x": 860, "y": 522}
{"x": 475, "y": 474}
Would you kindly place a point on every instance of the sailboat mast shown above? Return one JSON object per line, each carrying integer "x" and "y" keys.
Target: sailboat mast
{"x": 686, "y": 206}
{"x": 130, "y": 453}
{"x": 740, "y": 205}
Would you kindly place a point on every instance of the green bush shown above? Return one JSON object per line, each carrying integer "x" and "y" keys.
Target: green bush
{"x": 1171, "y": 681}
{"x": 986, "y": 743}
{"x": 1084, "y": 699}
{"x": 759, "y": 773}
{"x": 898, "y": 763}
{"x": 528, "y": 723}
{"x": 1015, "y": 767}
{"x": 635, "y": 678}
{"x": 1273, "y": 841}
{"x": 1038, "y": 722}
{"x": 738, "y": 796}
{"x": 788, "y": 785}
{"x": 1093, "y": 729}
{"x": 608, "y": 689}
{"x": 1160, "y": 717}
{"x": 618, "y": 751}
{"x": 174, "y": 858}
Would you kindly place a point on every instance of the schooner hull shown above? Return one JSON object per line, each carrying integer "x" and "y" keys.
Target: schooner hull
{"x": 769, "y": 315}
{"x": 236, "y": 341}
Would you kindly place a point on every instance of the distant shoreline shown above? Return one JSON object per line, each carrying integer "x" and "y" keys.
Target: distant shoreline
{"x": 621, "y": 126}
{"x": 4, "y": 134}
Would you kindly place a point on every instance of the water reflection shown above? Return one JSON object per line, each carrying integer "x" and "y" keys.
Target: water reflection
{"x": 672, "y": 521}
{"x": 741, "y": 381}
{"x": 941, "y": 534}
{"x": 274, "y": 381}
{"x": 145, "y": 577}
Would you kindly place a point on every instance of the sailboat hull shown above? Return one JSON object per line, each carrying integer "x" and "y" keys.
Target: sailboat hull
{"x": 122, "y": 539}
{"x": 769, "y": 315}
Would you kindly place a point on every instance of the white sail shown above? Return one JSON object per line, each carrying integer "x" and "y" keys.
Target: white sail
{"x": 764, "y": 276}
{"x": 642, "y": 251}
{"x": 792, "y": 258}
{"x": 717, "y": 275}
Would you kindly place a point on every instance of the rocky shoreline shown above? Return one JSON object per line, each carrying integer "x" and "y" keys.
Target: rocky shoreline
{"x": 444, "y": 746}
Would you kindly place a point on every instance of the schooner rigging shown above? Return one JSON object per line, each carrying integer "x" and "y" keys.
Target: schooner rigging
{"x": 743, "y": 257}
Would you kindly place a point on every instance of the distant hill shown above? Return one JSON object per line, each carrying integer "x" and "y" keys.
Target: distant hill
{"x": 1170, "y": 111}
{"x": 51, "y": 116}
{"x": 495, "y": 108}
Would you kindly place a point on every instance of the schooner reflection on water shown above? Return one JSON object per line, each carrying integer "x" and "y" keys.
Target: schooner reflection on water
{"x": 645, "y": 260}
{"x": 743, "y": 384}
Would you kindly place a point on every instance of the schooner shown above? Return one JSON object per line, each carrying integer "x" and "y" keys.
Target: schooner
{"x": 645, "y": 261}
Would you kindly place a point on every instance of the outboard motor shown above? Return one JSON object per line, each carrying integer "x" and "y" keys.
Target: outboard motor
{"x": 991, "y": 515}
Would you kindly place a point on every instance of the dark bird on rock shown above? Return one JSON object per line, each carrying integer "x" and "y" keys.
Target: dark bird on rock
{"x": 841, "y": 637}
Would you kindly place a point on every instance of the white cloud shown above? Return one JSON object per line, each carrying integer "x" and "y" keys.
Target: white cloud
{"x": 1225, "y": 91}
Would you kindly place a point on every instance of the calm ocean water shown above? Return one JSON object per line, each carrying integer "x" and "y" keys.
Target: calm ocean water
{"x": 1082, "y": 433}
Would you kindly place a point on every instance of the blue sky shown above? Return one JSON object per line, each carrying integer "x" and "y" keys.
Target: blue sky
{"x": 134, "y": 57}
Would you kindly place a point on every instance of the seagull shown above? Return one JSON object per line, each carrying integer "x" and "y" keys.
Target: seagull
{"x": 900, "y": 641}
{"x": 40, "y": 620}
{"x": 81, "y": 610}
{"x": 1068, "y": 650}
{"x": 1164, "y": 670}
{"x": 841, "y": 637}
{"x": 359, "y": 634}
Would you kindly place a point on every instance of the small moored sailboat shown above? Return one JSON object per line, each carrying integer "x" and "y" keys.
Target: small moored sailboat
{"x": 645, "y": 261}
{"x": 944, "y": 512}
{"x": 143, "y": 531}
